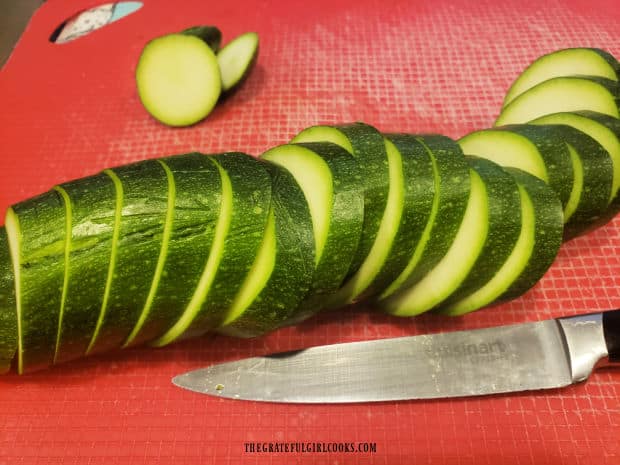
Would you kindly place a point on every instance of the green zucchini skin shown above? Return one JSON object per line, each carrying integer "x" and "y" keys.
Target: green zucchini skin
{"x": 211, "y": 35}
{"x": 42, "y": 236}
{"x": 197, "y": 199}
{"x": 503, "y": 231}
{"x": 144, "y": 193}
{"x": 93, "y": 208}
{"x": 251, "y": 197}
{"x": 8, "y": 315}
{"x": 277, "y": 303}
{"x": 452, "y": 187}
{"x": 549, "y": 231}
{"x": 368, "y": 147}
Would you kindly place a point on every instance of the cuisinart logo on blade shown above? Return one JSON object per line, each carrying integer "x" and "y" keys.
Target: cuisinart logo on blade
{"x": 481, "y": 352}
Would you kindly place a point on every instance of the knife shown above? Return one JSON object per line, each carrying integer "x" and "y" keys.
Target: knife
{"x": 522, "y": 357}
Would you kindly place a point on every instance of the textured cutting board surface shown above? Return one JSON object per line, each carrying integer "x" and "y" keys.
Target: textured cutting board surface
{"x": 413, "y": 66}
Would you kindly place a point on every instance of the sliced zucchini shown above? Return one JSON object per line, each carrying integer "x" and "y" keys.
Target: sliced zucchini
{"x": 8, "y": 315}
{"x": 534, "y": 252}
{"x": 567, "y": 93}
{"x": 447, "y": 275}
{"x": 451, "y": 194}
{"x": 564, "y": 62}
{"x": 236, "y": 59}
{"x": 93, "y": 207}
{"x": 194, "y": 204}
{"x": 534, "y": 149}
{"x": 143, "y": 188}
{"x": 366, "y": 144}
{"x": 178, "y": 79}
{"x": 504, "y": 228}
{"x": 36, "y": 231}
{"x": 283, "y": 269}
{"x": 211, "y": 35}
{"x": 244, "y": 210}
{"x": 328, "y": 176}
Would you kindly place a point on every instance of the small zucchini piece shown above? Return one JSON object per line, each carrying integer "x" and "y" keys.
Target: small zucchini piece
{"x": 178, "y": 79}
{"x": 243, "y": 215}
{"x": 566, "y": 93}
{"x": 535, "y": 250}
{"x": 8, "y": 316}
{"x": 565, "y": 62}
{"x": 236, "y": 59}
{"x": 211, "y": 35}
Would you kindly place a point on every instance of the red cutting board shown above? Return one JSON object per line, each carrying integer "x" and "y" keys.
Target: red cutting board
{"x": 442, "y": 66}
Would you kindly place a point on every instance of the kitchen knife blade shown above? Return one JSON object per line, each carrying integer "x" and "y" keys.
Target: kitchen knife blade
{"x": 521, "y": 357}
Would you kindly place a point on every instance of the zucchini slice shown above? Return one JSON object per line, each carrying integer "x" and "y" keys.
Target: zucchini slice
{"x": 143, "y": 189}
{"x": 36, "y": 231}
{"x": 504, "y": 228}
{"x": 244, "y": 210}
{"x": 539, "y": 240}
{"x": 194, "y": 203}
{"x": 282, "y": 271}
{"x": 366, "y": 144}
{"x": 8, "y": 316}
{"x": 93, "y": 207}
{"x": 604, "y": 129}
{"x": 447, "y": 275}
{"x": 236, "y": 59}
{"x": 451, "y": 193}
{"x": 534, "y": 149}
{"x": 178, "y": 79}
{"x": 211, "y": 35}
{"x": 328, "y": 176}
{"x": 566, "y": 93}
{"x": 565, "y": 62}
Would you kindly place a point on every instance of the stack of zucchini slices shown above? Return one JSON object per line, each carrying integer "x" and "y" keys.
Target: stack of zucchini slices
{"x": 167, "y": 249}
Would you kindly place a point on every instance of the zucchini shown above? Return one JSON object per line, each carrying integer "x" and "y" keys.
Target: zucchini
{"x": 566, "y": 93}
{"x": 539, "y": 240}
{"x": 503, "y": 232}
{"x": 451, "y": 193}
{"x": 236, "y": 59}
{"x": 195, "y": 195}
{"x": 449, "y": 272}
{"x": 142, "y": 192}
{"x": 178, "y": 79}
{"x": 8, "y": 317}
{"x": 283, "y": 268}
{"x": 36, "y": 231}
{"x": 328, "y": 176}
{"x": 565, "y": 62}
{"x": 93, "y": 207}
{"x": 244, "y": 210}
{"x": 210, "y": 35}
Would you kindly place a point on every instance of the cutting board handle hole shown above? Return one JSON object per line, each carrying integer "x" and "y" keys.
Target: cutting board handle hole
{"x": 87, "y": 21}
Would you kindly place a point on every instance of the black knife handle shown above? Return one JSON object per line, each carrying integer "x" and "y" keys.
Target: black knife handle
{"x": 611, "y": 330}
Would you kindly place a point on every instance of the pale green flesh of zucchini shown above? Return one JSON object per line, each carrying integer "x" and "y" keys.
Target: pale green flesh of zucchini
{"x": 236, "y": 57}
{"x": 506, "y": 149}
{"x": 314, "y": 177}
{"x": 178, "y": 79}
{"x": 388, "y": 229}
{"x": 112, "y": 265}
{"x": 259, "y": 274}
{"x": 65, "y": 284}
{"x": 453, "y": 268}
{"x": 575, "y": 193}
{"x": 567, "y": 62}
{"x": 598, "y": 132}
{"x": 558, "y": 95}
{"x": 510, "y": 270}
{"x": 324, "y": 134}
{"x": 210, "y": 269}
{"x": 13, "y": 231}
{"x": 163, "y": 253}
